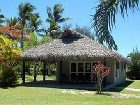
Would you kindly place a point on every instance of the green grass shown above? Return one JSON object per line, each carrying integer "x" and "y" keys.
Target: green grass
{"x": 45, "y": 95}
{"x": 53, "y": 96}
{"x": 135, "y": 84}
{"x": 129, "y": 84}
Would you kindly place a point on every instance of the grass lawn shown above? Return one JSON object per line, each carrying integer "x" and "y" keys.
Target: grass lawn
{"x": 135, "y": 84}
{"x": 44, "y": 95}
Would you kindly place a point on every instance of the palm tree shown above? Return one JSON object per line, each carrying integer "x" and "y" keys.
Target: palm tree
{"x": 35, "y": 22}
{"x": 25, "y": 13}
{"x": 55, "y": 17}
{"x": 105, "y": 16}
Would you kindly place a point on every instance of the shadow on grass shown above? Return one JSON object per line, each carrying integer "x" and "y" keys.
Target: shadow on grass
{"x": 77, "y": 86}
{"x": 7, "y": 86}
{"x": 104, "y": 93}
{"x": 121, "y": 87}
{"x": 55, "y": 84}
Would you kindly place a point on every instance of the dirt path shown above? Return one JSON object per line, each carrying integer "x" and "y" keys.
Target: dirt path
{"x": 112, "y": 94}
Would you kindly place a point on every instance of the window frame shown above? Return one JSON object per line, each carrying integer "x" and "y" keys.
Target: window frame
{"x": 84, "y": 71}
{"x": 117, "y": 70}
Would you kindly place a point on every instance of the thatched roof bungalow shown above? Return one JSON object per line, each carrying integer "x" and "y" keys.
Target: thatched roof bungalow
{"x": 75, "y": 55}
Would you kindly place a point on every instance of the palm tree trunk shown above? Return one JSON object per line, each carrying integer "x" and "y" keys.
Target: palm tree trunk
{"x": 23, "y": 68}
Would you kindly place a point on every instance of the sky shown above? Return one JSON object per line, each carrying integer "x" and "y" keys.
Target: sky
{"x": 126, "y": 32}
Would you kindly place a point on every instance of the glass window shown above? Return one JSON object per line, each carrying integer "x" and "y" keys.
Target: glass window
{"x": 80, "y": 67}
{"x": 73, "y": 67}
{"x": 117, "y": 65}
{"x": 116, "y": 73}
{"x": 88, "y": 67}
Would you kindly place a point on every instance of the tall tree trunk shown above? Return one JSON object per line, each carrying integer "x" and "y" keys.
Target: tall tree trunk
{"x": 98, "y": 85}
{"x": 100, "y": 88}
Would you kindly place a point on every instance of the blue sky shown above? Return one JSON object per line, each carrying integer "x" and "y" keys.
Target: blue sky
{"x": 126, "y": 33}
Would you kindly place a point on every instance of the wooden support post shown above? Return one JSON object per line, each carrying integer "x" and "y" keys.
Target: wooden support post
{"x": 23, "y": 72}
{"x": 60, "y": 71}
{"x": 44, "y": 70}
{"x": 35, "y": 71}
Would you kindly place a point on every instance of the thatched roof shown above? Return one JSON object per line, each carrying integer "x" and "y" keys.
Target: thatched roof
{"x": 72, "y": 46}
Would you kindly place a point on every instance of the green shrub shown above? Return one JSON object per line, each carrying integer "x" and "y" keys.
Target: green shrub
{"x": 134, "y": 72}
{"x": 8, "y": 77}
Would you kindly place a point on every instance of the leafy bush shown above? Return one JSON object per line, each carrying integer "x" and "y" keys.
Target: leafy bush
{"x": 134, "y": 72}
{"x": 10, "y": 56}
{"x": 8, "y": 77}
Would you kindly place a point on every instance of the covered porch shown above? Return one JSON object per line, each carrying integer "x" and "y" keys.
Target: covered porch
{"x": 70, "y": 71}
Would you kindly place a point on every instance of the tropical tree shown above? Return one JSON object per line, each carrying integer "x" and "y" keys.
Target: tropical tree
{"x": 84, "y": 30}
{"x": 35, "y": 22}
{"x": 11, "y": 21}
{"x": 66, "y": 26}
{"x": 25, "y": 13}
{"x": 11, "y": 32}
{"x": 105, "y": 17}
{"x": 134, "y": 71}
{"x": 10, "y": 55}
{"x": 55, "y": 17}
{"x": 1, "y": 18}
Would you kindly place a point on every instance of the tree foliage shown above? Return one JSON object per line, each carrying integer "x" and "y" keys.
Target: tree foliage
{"x": 35, "y": 22}
{"x": 25, "y": 12}
{"x": 10, "y": 55}
{"x": 12, "y": 21}
{"x": 55, "y": 17}
{"x": 101, "y": 72}
{"x": 85, "y": 30}
{"x": 1, "y": 19}
{"x": 10, "y": 31}
{"x": 105, "y": 17}
{"x": 134, "y": 72}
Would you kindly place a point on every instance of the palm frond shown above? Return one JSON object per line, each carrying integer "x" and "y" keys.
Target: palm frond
{"x": 57, "y": 12}
{"x": 49, "y": 13}
{"x": 35, "y": 22}
{"x": 25, "y": 10}
{"x": 105, "y": 16}
{"x": 63, "y": 19}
